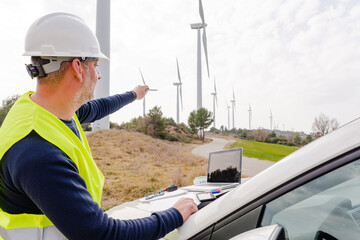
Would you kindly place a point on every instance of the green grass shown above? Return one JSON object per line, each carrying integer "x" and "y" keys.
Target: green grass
{"x": 264, "y": 151}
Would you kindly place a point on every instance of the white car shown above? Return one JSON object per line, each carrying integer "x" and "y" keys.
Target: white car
{"x": 314, "y": 193}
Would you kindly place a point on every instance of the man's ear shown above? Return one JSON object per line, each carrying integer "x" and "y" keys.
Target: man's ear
{"x": 77, "y": 69}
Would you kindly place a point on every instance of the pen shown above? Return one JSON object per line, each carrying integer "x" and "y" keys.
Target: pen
{"x": 215, "y": 191}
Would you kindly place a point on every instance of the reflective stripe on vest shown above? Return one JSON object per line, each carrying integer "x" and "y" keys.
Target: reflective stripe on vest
{"x": 26, "y": 116}
{"x": 51, "y": 233}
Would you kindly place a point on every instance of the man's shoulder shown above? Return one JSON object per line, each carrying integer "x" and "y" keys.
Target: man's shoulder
{"x": 35, "y": 151}
{"x": 33, "y": 142}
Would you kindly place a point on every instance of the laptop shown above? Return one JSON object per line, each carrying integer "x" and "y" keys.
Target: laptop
{"x": 224, "y": 171}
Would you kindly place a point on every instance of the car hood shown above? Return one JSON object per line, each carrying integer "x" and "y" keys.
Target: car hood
{"x": 315, "y": 153}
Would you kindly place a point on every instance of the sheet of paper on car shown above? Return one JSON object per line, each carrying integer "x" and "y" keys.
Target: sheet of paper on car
{"x": 165, "y": 195}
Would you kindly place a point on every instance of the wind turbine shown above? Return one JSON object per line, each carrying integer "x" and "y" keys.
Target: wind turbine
{"x": 271, "y": 119}
{"x": 142, "y": 77}
{"x": 199, "y": 26}
{"x": 214, "y": 100}
{"x": 228, "y": 109}
{"x": 178, "y": 92}
{"x": 250, "y": 117}
{"x": 233, "y": 110}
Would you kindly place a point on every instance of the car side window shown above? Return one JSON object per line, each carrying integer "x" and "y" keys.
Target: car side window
{"x": 327, "y": 207}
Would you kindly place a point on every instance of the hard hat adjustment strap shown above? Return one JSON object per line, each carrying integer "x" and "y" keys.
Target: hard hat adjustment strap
{"x": 53, "y": 65}
{"x": 35, "y": 71}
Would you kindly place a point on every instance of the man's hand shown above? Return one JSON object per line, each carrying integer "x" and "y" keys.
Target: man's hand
{"x": 141, "y": 91}
{"x": 186, "y": 206}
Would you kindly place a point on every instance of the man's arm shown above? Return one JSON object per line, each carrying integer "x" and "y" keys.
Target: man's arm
{"x": 99, "y": 108}
{"x": 51, "y": 180}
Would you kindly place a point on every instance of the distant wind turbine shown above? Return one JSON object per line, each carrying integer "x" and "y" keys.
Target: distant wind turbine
{"x": 198, "y": 26}
{"x": 214, "y": 100}
{"x": 228, "y": 109}
{"x": 178, "y": 92}
{"x": 271, "y": 119}
{"x": 250, "y": 117}
{"x": 142, "y": 77}
{"x": 233, "y": 109}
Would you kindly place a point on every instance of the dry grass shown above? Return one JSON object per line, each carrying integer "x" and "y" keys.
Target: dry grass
{"x": 134, "y": 164}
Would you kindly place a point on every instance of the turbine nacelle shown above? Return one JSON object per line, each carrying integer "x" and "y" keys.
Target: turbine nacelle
{"x": 198, "y": 25}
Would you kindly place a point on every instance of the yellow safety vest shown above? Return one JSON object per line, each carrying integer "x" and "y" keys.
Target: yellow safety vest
{"x": 26, "y": 116}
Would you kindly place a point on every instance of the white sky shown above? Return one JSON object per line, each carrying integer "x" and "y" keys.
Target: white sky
{"x": 298, "y": 58}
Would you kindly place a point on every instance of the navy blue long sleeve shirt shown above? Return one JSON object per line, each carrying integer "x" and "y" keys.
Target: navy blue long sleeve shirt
{"x": 37, "y": 177}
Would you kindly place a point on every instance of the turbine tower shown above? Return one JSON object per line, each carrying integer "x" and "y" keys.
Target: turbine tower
{"x": 103, "y": 35}
{"x": 228, "y": 109}
{"x": 271, "y": 119}
{"x": 214, "y": 100}
{"x": 178, "y": 92}
{"x": 233, "y": 110}
{"x": 199, "y": 26}
{"x": 250, "y": 117}
{"x": 142, "y": 77}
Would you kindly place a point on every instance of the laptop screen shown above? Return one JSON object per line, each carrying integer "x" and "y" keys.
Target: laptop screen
{"x": 225, "y": 166}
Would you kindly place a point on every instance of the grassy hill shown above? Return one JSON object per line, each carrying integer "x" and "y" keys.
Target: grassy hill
{"x": 264, "y": 151}
{"x": 135, "y": 164}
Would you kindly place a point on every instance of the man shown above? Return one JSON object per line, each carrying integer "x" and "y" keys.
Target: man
{"x": 50, "y": 187}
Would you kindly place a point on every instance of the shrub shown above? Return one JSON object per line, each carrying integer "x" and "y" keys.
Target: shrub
{"x": 114, "y": 125}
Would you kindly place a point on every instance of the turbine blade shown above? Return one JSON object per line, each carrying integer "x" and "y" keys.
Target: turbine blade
{"x": 142, "y": 77}
{"x": 234, "y": 99}
{"x": 181, "y": 98}
{"x": 216, "y": 100}
{"x": 178, "y": 70}
{"x": 201, "y": 11}
{"x": 205, "y": 50}
{"x": 214, "y": 85}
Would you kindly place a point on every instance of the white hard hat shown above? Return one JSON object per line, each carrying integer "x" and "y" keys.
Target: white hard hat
{"x": 61, "y": 35}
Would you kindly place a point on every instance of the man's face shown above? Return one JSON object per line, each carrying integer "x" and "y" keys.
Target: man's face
{"x": 90, "y": 75}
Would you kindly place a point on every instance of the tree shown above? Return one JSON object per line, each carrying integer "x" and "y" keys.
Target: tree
{"x": 297, "y": 140}
{"x": 324, "y": 125}
{"x": 308, "y": 138}
{"x": 222, "y": 129}
{"x": 204, "y": 118}
{"x": 6, "y": 105}
{"x": 260, "y": 135}
{"x": 272, "y": 134}
{"x": 192, "y": 122}
{"x": 157, "y": 122}
{"x": 200, "y": 120}
{"x": 244, "y": 134}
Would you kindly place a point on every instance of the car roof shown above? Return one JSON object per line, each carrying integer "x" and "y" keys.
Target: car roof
{"x": 306, "y": 158}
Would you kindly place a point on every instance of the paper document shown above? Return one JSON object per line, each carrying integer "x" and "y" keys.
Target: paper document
{"x": 166, "y": 195}
{"x": 167, "y": 203}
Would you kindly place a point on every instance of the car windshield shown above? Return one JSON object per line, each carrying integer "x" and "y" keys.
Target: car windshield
{"x": 328, "y": 207}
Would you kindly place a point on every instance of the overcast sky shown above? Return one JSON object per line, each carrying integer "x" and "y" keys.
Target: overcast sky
{"x": 298, "y": 58}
